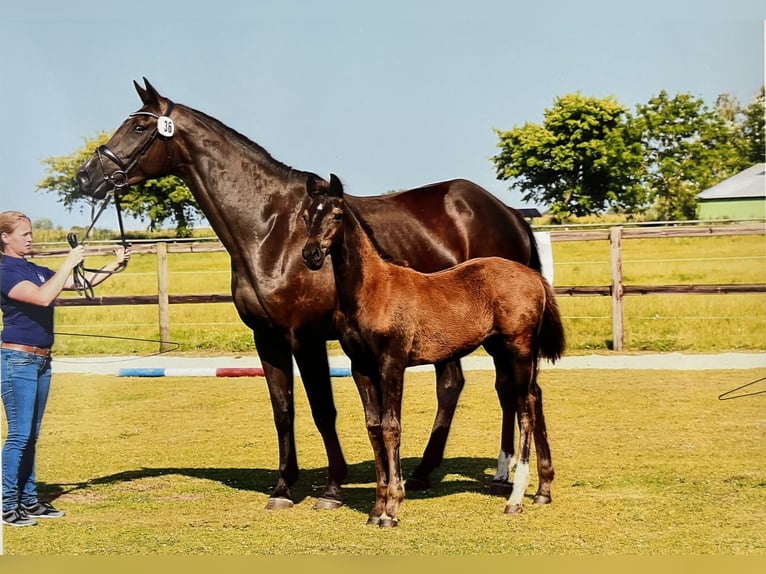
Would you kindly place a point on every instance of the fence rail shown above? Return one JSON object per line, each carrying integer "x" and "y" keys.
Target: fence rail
{"x": 617, "y": 290}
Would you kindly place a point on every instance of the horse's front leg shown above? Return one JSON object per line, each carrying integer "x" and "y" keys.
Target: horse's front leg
{"x": 449, "y": 384}
{"x": 276, "y": 359}
{"x": 392, "y": 386}
{"x": 311, "y": 357}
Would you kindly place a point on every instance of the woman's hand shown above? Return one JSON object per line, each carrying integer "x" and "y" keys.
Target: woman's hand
{"x": 74, "y": 257}
{"x": 122, "y": 255}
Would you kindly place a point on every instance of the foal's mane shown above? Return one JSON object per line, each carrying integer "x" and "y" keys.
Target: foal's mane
{"x": 367, "y": 230}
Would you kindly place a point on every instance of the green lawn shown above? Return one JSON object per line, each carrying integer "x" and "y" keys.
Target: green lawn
{"x": 648, "y": 463}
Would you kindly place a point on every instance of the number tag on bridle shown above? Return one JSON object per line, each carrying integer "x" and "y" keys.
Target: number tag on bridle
{"x": 165, "y": 126}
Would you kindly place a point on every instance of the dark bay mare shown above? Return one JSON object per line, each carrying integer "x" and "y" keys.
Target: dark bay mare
{"x": 254, "y": 204}
{"x": 392, "y": 317}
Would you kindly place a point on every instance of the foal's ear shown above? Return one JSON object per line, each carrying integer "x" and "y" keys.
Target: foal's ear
{"x": 336, "y": 187}
{"x": 315, "y": 185}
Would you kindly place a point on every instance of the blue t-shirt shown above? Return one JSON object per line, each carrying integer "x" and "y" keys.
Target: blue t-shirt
{"x": 23, "y": 323}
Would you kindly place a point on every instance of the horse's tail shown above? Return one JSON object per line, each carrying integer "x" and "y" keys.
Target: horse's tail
{"x": 534, "y": 253}
{"x": 552, "y": 340}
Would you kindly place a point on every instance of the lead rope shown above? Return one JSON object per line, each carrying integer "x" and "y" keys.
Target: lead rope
{"x": 81, "y": 283}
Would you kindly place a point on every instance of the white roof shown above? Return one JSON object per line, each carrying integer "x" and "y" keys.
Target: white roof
{"x": 748, "y": 183}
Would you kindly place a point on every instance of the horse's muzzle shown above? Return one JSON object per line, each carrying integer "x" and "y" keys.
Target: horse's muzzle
{"x": 313, "y": 257}
{"x": 95, "y": 188}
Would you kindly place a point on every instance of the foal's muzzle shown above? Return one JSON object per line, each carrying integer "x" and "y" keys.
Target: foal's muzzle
{"x": 313, "y": 256}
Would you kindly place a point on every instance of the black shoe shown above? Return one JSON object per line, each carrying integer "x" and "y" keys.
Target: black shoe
{"x": 17, "y": 517}
{"x": 42, "y": 510}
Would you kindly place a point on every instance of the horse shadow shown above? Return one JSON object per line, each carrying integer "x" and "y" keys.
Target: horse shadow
{"x": 456, "y": 475}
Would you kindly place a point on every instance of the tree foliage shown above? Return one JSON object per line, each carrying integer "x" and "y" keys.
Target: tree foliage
{"x": 687, "y": 148}
{"x": 580, "y": 161}
{"x": 753, "y": 127}
{"x": 158, "y": 201}
{"x": 592, "y": 154}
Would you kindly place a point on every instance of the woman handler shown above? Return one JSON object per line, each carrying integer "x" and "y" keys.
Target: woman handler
{"x": 27, "y": 295}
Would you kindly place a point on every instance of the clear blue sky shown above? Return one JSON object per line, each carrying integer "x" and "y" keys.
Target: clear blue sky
{"x": 388, "y": 95}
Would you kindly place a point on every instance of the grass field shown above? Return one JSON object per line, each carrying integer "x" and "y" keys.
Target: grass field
{"x": 648, "y": 463}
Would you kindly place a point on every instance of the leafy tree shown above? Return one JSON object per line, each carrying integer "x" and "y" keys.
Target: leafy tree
{"x": 43, "y": 224}
{"x": 156, "y": 200}
{"x": 582, "y": 160}
{"x": 687, "y": 148}
{"x": 753, "y": 127}
{"x": 62, "y": 176}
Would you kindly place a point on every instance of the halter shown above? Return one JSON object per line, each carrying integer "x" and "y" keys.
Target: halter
{"x": 163, "y": 128}
{"x": 119, "y": 179}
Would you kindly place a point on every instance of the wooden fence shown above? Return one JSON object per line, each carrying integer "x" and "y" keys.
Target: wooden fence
{"x": 616, "y": 290}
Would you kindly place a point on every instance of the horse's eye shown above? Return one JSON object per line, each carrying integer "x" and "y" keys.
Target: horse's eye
{"x": 337, "y": 216}
{"x": 139, "y": 129}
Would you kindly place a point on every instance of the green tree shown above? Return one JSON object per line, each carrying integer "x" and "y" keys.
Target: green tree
{"x": 687, "y": 148}
{"x": 158, "y": 201}
{"x": 582, "y": 160}
{"x": 753, "y": 127}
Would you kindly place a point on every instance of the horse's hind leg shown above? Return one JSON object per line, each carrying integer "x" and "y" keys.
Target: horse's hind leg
{"x": 505, "y": 389}
{"x": 545, "y": 470}
{"x": 449, "y": 384}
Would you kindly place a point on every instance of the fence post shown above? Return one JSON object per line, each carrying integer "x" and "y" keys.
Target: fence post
{"x": 163, "y": 297}
{"x": 618, "y": 330}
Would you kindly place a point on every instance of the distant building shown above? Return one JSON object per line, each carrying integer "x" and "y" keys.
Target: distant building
{"x": 742, "y": 196}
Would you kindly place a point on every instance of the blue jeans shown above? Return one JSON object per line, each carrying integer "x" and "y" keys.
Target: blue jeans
{"x": 26, "y": 380}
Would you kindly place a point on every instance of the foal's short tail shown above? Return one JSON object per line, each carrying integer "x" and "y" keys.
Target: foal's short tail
{"x": 552, "y": 340}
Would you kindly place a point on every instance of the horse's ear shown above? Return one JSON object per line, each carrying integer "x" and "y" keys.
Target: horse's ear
{"x": 148, "y": 95}
{"x": 140, "y": 90}
{"x": 336, "y": 187}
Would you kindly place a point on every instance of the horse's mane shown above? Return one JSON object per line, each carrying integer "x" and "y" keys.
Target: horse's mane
{"x": 245, "y": 142}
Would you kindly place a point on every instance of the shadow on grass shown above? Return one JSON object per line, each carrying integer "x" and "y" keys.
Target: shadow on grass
{"x": 456, "y": 475}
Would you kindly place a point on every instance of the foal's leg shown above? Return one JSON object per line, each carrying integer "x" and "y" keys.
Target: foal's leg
{"x": 369, "y": 392}
{"x": 524, "y": 373}
{"x": 545, "y": 470}
{"x": 449, "y": 385}
{"x": 392, "y": 386}
{"x": 311, "y": 357}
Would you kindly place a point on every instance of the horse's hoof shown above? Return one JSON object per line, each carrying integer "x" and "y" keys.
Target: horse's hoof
{"x": 279, "y": 503}
{"x": 373, "y": 521}
{"x": 324, "y": 503}
{"x": 417, "y": 483}
{"x": 501, "y": 488}
{"x": 388, "y": 522}
{"x": 514, "y": 509}
{"x": 542, "y": 499}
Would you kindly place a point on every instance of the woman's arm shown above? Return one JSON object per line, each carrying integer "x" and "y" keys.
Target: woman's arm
{"x": 122, "y": 256}
{"x": 45, "y": 294}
